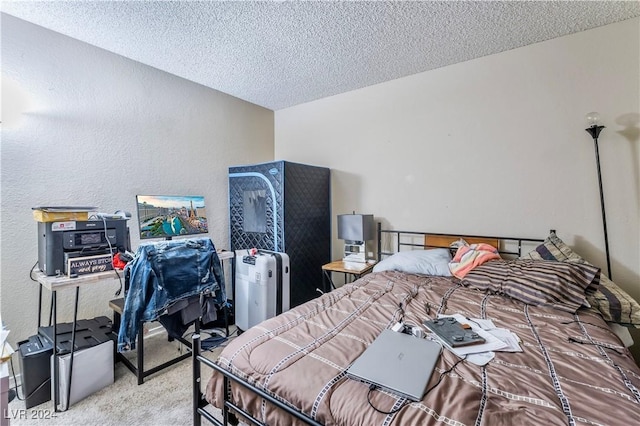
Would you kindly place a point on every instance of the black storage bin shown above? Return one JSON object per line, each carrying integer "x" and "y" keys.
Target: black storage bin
{"x": 284, "y": 207}
{"x": 35, "y": 366}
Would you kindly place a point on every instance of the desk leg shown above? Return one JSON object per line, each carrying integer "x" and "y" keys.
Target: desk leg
{"x": 327, "y": 277}
{"x": 195, "y": 364}
{"x": 140, "y": 360}
{"x": 39, "y": 304}
{"x": 54, "y": 373}
{"x": 73, "y": 346}
{"x": 225, "y": 310}
{"x": 51, "y": 313}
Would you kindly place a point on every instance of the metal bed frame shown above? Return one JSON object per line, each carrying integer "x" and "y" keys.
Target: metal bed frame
{"x": 508, "y": 247}
{"x": 200, "y": 404}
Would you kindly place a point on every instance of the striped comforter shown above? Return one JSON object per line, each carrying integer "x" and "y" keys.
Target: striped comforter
{"x": 573, "y": 369}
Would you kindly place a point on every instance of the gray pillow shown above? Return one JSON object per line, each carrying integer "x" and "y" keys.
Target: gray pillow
{"x": 427, "y": 262}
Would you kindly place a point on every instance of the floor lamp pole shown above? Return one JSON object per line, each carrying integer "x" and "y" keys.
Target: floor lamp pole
{"x": 594, "y": 131}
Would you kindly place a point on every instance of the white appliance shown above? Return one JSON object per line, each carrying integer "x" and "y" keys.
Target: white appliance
{"x": 262, "y": 286}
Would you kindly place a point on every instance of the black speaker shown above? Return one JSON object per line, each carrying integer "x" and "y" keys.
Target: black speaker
{"x": 35, "y": 366}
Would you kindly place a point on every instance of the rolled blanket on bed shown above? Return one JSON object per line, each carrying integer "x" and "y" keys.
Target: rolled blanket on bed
{"x": 469, "y": 256}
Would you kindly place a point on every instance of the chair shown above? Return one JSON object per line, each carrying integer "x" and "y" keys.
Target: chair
{"x": 118, "y": 306}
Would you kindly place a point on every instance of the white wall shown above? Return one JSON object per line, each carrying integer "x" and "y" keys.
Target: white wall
{"x": 492, "y": 146}
{"x": 82, "y": 126}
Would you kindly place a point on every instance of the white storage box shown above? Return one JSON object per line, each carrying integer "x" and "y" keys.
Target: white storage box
{"x": 92, "y": 371}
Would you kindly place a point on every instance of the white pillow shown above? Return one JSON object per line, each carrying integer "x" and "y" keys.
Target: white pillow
{"x": 427, "y": 262}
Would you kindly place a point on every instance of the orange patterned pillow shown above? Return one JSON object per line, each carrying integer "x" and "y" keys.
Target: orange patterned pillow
{"x": 469, "y": 256}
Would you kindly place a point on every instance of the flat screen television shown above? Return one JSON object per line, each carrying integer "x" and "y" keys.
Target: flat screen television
{"x": 167, "y": 216}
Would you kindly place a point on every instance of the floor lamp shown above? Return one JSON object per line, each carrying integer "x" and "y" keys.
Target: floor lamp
{"x": 594, "y": 130}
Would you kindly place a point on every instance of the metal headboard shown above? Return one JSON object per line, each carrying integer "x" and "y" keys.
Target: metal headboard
{"x": 507, "y": 246}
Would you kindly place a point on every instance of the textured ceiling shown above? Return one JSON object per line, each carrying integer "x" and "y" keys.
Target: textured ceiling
{"x": 279, "y": 54}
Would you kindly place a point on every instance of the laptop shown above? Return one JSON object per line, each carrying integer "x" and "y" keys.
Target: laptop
{"x": 399, "y": 363}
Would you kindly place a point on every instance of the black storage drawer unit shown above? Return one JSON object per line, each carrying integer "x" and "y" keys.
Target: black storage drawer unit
{"x": 284, "y": 207}
{"x": 89, "y": 333}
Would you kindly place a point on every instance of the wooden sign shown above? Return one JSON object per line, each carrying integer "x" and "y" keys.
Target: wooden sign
{"x": 89, "y": 265}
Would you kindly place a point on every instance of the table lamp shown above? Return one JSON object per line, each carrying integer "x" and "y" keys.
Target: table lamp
{"x": 356, "y": 230}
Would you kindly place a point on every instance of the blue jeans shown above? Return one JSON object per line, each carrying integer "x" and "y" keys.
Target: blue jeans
{"x": 162, "y": 273}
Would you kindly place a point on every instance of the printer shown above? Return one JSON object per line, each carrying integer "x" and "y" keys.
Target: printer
{"x": 60, "y": 241}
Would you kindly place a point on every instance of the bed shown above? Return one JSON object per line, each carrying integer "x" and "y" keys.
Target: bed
{"x": 573, "y": 369}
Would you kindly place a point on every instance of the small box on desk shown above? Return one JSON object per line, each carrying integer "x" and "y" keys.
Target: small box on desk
{"x": 59, "y": 216}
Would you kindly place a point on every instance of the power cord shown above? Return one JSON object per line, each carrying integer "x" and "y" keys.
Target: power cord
{"x": 600, "y": 345}
{"x": 401, "y": 312}
{"x": 15, "y": 381}
{"x": 373, "y": 387}
{"x": 444, "y": 373}
{"x": 31, "y": 272}
{"x": 583, "y": 342}
{"x": 106, "y": 237}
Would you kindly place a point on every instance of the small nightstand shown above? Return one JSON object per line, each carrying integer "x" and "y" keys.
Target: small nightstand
{"x": 353, "y": 269}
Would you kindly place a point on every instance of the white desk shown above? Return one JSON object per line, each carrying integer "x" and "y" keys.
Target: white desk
{"x": 55, "y": 284}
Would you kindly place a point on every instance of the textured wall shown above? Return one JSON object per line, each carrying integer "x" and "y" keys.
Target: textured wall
{"x": 82, "y": 126}
{"x": 492, "y": 146}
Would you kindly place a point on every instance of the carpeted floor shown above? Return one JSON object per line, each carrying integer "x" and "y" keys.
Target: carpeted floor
{"x": 165, "y": 398}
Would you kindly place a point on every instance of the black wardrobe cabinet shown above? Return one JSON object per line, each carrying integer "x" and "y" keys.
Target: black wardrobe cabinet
{"x": 284, "y": 207}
